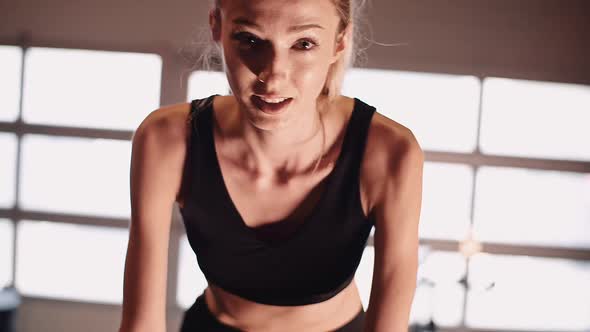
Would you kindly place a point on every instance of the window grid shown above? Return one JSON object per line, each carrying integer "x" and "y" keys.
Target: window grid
{"x": 18, "y": 166}
{"x": 474, "y": 159}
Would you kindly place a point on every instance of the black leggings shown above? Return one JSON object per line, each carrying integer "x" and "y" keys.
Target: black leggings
{"x": 198, "y": 318}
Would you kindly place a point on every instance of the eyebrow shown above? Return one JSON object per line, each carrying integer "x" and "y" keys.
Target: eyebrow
{"x": 295, "y": 28}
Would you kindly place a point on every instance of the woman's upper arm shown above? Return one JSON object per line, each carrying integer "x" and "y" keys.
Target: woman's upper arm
{"x": 396, "y": 173}
{"x": 157, "y": 159}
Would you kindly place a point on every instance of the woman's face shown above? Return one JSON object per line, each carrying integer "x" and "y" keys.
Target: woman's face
{"x": 276, "y": 49}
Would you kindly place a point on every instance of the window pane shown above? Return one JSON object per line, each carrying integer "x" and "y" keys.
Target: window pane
{"x": 528, "y": 293}
{"x": 438, "y": 291}
{"x": 439, "y": 294}
{"x": 202, "y": 84}
{"x": 84, "y": 88}
{"x": 521, "y": 206}
{"x": 6, "y": 243}
{"x": 364, "y": 275}
{"x": 75, "y": 175}
{"x": 7, "y": 169}
{"x": 72, "y": 262}
{"x": 535, "y": 119}
{"x": 446, "y": 201}
{"x": 10, "y": 67}
{"x": 191, "y": 281}
{"x": 441, "y": 110}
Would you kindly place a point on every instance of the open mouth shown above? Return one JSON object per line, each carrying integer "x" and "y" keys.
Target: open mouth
{"x": 270, "y": 105}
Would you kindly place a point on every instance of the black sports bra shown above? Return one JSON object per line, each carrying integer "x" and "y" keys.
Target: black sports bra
{"x": 315, "y": 263}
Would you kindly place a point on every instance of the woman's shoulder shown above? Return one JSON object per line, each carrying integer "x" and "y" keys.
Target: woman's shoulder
{"x": 389, "y": 146}
{"x": 167, "y": 123}
{"x": 161, "y": 138}
{"x": 387, "y": 136}
{"x": 159, "y": 151}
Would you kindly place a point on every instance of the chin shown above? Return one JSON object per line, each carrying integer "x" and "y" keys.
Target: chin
{"x": 263, "y": 121}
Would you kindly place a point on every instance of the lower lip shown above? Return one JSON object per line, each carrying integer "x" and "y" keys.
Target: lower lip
{"x": 270, "y": 108}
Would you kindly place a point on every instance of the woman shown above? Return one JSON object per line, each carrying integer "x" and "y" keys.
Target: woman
{"x": 279, "y": 185}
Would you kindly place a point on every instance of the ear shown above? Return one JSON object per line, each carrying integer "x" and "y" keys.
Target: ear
{"x": 215, "y": 24}
{"x": 343, "y": 39}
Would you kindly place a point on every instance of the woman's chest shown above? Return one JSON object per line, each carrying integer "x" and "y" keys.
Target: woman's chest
{"x": 274, "y": 208}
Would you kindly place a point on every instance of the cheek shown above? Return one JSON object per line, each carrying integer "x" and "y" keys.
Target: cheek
{"x": 311, "y": 75}
{"x": 238, "y": 74}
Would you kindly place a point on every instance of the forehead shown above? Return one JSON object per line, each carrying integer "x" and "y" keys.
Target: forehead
{"x": 273, "y": 12}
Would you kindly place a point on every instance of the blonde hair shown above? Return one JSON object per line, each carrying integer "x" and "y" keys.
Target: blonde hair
{"x": 335, "y": 78}
{"x": 348, "y": 10}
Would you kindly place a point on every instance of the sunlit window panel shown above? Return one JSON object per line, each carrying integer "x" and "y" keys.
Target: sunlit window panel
{"x": 528, "y": 294}
{"x": 423, "y": 305}
{"x": 7, "y": 169}
{"x": 91, "y": 89}
{"x": 364, "y": 275}
{"x": 535, "y": 119}
{"x": 533, "y": 207}
{"x": 71, "y": 262}
{"x": 442, "y": 267}
{"x": 202, "y": 84}
{"x": 75, "y": 175}
{"x": 191, "y": 281}
{"x": 446, "y": 199}
{"x": 6, "y": 252}
{"x": 441, "y": 110}
{"x": 10, "y": 80}
{"x": 439, "y": 295}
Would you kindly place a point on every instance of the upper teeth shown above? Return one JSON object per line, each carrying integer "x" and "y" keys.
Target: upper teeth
{"x": 274, "y": 101}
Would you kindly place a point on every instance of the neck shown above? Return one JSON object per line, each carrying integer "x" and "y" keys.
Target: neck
{"x": 292, "y": 149}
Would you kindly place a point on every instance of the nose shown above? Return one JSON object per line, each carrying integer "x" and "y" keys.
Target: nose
{"x": 274, "y": 69}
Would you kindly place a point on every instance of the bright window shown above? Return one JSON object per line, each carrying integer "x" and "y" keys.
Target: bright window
{"x": 7, "y": 169}
{"x": 527, "y": 293}
{"x": 191, "y": 281}
{"x": 536, "y": 119}
{"x": 439, "y": 294}
{"x": 441, "y": 110}
{"x": 364, "y": 275}
{"x": 10, "y": 79}
{"x": 545, "y": 208}
{"x": 6, "y": 252}
{"x": 75, "y": 175}
{"x": 71, "y": 262}
{"x": 84, "y": 88}
{"x": 446, "y": 200}
{"x": 202, "y": 84}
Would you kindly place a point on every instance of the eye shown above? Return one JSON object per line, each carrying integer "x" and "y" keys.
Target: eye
{"x": 306, "y": 44}
{"x": 246, "y": 39}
